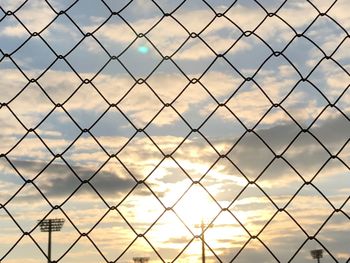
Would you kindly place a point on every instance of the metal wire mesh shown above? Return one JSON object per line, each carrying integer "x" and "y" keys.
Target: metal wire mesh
{"x": 218, "y": 107}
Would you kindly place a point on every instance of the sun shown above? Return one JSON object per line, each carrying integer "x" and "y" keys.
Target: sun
{"x": 196, "y": 207}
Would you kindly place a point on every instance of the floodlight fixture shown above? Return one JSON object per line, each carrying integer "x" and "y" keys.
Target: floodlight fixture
{"x": 317, "y": 254}
{"x": 50, "y": 225}
{"x": 141, "y": 259}
{"x": 53, "y": 225}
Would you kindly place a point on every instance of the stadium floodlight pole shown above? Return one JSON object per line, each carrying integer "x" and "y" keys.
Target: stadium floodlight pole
{"x": 141, "y": 259}
{"x": 317, "y": 254}
{"x": 203, "y": 226}
{"x": 51, "y": 225}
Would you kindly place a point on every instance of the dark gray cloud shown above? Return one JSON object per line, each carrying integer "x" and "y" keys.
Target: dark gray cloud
{"x": 58, "y": 180}
{"x": 306, "y": 153}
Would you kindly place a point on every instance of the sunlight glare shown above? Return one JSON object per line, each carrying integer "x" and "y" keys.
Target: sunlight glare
{"x": 196, "y": 207}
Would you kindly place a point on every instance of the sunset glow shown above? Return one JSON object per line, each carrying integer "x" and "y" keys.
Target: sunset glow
{"x": 174, "y": 131}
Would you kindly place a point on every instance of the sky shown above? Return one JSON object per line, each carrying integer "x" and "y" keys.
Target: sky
{"x": 136, "y": 121}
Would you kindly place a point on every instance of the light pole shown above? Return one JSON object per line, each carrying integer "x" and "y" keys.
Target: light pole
{"x": 317, "y": 254}
{"x": 51, "y": 225}
{"x": 141, "y": 259}
{"x": 203, "y": 226}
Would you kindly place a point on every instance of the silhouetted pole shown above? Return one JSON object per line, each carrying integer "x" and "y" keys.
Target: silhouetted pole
{"x": 317, "y": 254}
{"x": 203, "y": 226}
{"x": 51, "y": 225}
{"x": 49, "y": 243}
{"x": 203, "y": 242}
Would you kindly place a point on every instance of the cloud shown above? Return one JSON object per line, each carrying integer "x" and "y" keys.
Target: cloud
{"x": 11, "y": 4}
{"x": 141, "y": 105}
{"x": 14, "y": 31}
{"x": 35, "y": 21}
{"x": 168, "y": 43}
{"x": 305, "y": 153}
{"x": 298, "y": 14}
{"x": 338, "y": 12}
{"x": 58, "y": 180}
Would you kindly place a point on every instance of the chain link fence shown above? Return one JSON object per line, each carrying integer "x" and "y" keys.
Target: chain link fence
{"x": 174, "y": 131}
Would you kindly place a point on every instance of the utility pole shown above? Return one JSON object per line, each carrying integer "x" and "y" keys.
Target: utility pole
{"x": 203, "y": 226}
{"x": 50, "y": 225}
{"x": 317, "y": 254}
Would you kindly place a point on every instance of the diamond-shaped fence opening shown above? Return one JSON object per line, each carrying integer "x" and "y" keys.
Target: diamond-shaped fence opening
{"x": 174, "y": 131}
